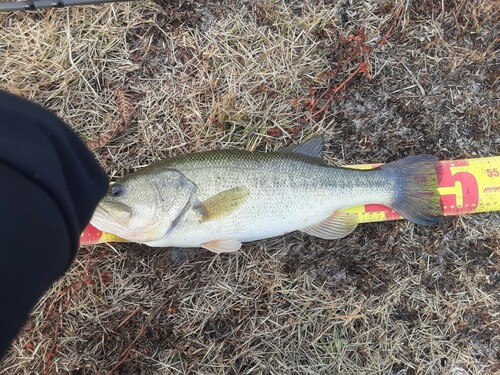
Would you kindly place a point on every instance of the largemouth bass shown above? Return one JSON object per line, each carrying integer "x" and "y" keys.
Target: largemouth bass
{"x": 218, "y": 199}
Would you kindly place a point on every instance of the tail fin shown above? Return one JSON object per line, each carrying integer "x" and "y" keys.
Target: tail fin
{"x": 416, "y": 196}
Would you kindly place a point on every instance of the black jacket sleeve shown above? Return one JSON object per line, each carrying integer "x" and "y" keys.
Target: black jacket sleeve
{"x": 49, "y": 187}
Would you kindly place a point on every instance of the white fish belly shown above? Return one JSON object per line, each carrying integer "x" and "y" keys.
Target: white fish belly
{"x": 270, "y": 215}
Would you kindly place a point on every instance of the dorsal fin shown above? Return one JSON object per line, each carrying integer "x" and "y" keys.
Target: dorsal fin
{"x": 313, "y": 147}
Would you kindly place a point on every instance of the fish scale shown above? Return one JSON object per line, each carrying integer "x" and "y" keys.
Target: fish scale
{"x": 293, "y": 194}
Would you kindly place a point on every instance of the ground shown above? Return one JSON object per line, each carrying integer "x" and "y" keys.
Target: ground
{"x": 380, "y": 80}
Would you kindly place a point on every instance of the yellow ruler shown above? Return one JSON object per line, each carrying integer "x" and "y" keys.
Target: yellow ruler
{"x": 465, "y": 186}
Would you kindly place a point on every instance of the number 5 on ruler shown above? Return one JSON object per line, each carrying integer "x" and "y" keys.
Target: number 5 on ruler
{"x": 458, "y": 189}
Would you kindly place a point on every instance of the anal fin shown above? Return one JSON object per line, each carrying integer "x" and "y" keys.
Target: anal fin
{"x": 338, "y": 225}
{"x": 222, "y": 246}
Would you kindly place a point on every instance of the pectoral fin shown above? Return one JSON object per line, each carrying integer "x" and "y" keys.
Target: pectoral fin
{"x": 222, "y": 246}
{"x": 222, "y": 204}
{"x": 339, "y": 225}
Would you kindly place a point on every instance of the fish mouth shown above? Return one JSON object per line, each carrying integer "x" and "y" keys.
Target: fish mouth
{"x": 114, "y": 217}
{"x": 109, "y": 214}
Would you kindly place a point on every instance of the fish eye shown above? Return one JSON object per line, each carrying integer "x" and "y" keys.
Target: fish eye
{"x": 116, "y": 190}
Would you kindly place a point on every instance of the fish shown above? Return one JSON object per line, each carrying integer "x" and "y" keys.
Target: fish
{"x": 219, "y": 199}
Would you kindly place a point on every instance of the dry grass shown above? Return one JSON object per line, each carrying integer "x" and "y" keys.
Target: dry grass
{"x": 142, "y": 81}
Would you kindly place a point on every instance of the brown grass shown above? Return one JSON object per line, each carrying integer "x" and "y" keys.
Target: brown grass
{"x": 143, "y": 81}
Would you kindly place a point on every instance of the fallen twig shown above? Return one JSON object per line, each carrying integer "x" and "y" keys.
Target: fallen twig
{"x": 360, "y": 49}
{"x": 126, "y": 352}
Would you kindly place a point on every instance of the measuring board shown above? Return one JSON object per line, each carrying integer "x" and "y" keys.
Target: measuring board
{"x": 465, "y": 187}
